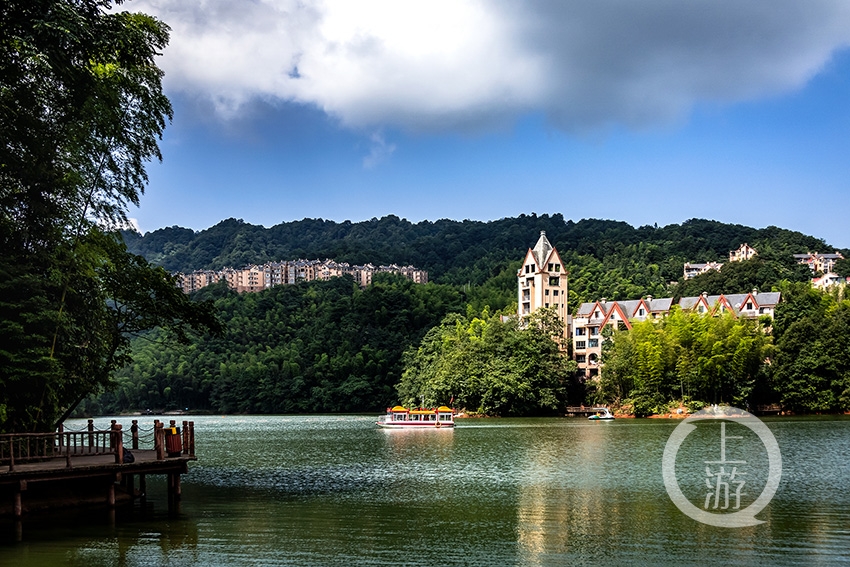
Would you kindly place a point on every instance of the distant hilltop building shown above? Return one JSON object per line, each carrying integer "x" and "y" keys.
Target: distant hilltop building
{"x": 744, "y": 252}
{"x": 542, "y": 281}
{"x": 592, "y": 317}
{"x": 257, "y": 277}
{"x": 817, "y": 262}
{"x": 828, "y": 280}
{"x": 694, "y": 270}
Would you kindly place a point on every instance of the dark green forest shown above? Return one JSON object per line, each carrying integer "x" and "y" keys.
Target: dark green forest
{"x": 332, "y": 347}
{"x": 606, "y": 258}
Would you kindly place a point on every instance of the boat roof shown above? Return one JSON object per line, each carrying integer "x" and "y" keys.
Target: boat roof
{"x": 402, "y": 409}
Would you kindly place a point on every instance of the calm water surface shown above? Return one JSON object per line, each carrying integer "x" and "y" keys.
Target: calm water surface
{"x": 335, "y": 490}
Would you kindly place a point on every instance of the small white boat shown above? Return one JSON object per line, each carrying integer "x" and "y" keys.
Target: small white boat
{"x": 602, "y": 414}
{"x": 422, "y": 418}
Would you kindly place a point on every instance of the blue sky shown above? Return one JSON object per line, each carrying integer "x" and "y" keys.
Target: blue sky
{"x": 651, "y": 112}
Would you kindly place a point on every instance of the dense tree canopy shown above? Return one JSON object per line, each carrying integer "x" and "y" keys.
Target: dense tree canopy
{"x": 324, "y": 346}
{"x": 489, "y": 365}
{"x": 686, "y": 356}
{"x": 81, "y": 111}
{"x": 812, "y": 366}
{"x": 605, "y": 258}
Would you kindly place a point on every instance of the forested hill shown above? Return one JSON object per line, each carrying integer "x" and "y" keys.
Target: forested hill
{"x": 331, "y": 346}
{"x": 606, "y": 258}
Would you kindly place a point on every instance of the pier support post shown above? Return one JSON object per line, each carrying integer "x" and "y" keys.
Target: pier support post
{"x": 134, "y": 430}
{"x": 192, "y": 438}
{"x": 110, "y": 495}
{"x": 143, "y": 488}
{"x": 185, "y": 433}
{"x": 158, "y": 440}
{"x": 17, "y": 503}
{"x": 118, "y": 442}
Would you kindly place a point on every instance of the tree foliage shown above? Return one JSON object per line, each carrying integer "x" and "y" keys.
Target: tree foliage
{"x": 605, "y": 258}
{"x": 324, "y": 346}
{"x": 812, "y": 366}
{"x": 81, "y": 112}
{"x": 489, "y": 365}
{"x": 686, "y": 356}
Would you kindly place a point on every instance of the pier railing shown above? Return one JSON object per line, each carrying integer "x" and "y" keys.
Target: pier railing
{"x": 166, "y": 441}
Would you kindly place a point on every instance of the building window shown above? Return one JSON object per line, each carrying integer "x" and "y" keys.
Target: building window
{"x": 546, "y": 292}
{"x": 641, "y": 312}
{"x": 701, "y": 309}
{"x": 579, "y": 331}
{"x": 749, "y": 306}
{"x": 555, "y": 293}
{"x": 593, "y": 343}
{"x": 581, "y": 345}
{"x": 594, "y": 331}
{"x": 545, "y": 305}
{"x": 528, "y": 269}
{"x": 557, "y": 267}
{"x": 580, "y": 358}
{"x": 555, "y": 281}
{"x": 551, "y": 267}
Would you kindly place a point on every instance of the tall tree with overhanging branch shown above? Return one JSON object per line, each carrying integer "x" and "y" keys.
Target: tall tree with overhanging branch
{"x": 81, "y": 113}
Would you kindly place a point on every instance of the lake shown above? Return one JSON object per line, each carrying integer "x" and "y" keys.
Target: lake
{"x": 336, "y": 490}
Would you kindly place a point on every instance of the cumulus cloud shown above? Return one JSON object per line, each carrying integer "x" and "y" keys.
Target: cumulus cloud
{"x": 478, "y": 64}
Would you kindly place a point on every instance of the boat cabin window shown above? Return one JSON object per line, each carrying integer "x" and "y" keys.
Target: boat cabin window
{"x": 399, "y": 417}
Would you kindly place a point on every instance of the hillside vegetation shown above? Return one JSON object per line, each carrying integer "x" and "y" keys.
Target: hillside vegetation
{"x": 331, "y": 346}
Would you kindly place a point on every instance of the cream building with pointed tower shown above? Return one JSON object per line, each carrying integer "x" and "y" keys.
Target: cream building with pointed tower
{"x": 542, "y": 281}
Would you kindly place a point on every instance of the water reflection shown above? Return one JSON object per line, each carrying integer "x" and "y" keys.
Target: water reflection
{"x": 331, "y": 490}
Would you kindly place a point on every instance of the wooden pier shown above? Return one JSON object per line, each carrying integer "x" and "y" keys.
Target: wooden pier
{"x": 42, "y": 472}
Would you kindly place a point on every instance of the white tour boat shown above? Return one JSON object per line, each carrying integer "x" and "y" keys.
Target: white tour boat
{"x": 423, "y": 418}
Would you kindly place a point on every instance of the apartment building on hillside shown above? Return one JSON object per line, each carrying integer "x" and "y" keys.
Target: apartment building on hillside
{"x": 542, "y": 282}
{"x": 254, "y": 278}
{"x": 592, "y": 318}
{"x": 744, "y": 252}
{"x": 823, "y": 263}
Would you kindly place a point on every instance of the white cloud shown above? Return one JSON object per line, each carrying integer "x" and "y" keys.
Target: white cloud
{"x": 459, "y": 65}
{"x": 379, "y": 151}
